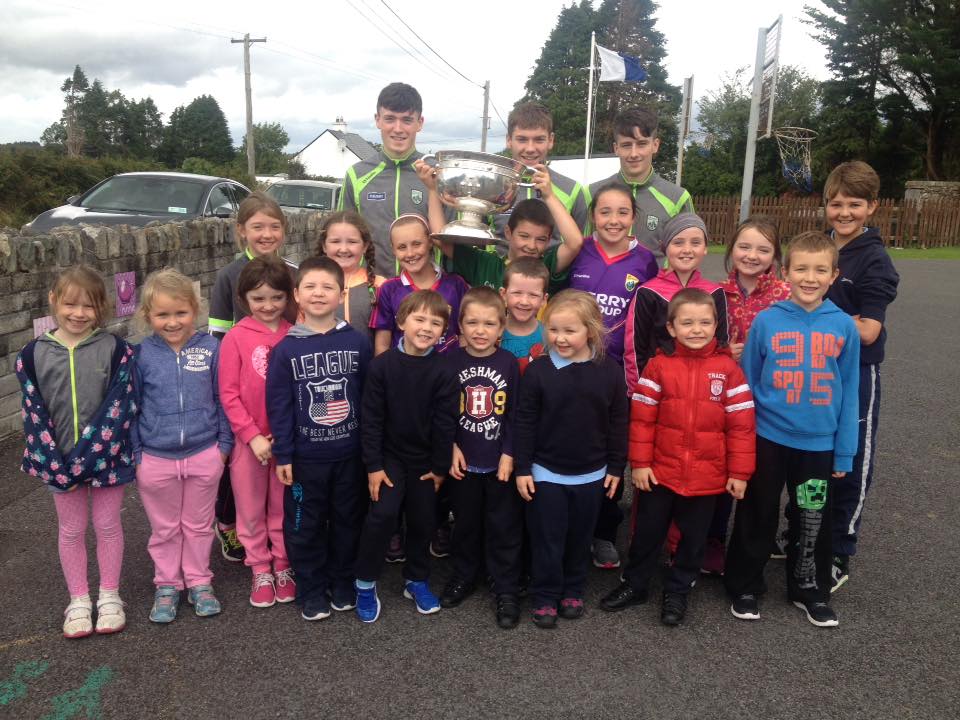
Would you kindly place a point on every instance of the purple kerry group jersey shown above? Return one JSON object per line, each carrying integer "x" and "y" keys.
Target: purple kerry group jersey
{"x": 394, "y": 290}
{"x": 613, "y": 281}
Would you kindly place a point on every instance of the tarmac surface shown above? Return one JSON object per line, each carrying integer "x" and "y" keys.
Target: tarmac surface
{"x": 894, "y": 655}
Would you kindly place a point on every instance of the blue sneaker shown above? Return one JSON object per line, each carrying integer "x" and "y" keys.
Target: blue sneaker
{"x": 166, "y": 600}
{"x": 419, "y": 591}
{"x": 204, "y": 602}
{"x": 368, "y": 604}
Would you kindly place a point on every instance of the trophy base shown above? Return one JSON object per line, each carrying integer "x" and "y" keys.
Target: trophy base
{"x": 461, "y": 233}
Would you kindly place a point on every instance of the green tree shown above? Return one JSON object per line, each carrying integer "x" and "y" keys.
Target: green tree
{"x": 67, "y": 133}
{"x": 559, "y": 79}
{"x": 196, "y": 130}
{"x": 269, "y": 142}
{"x": 908, "y": 50}
{"x": 716, "y": 166}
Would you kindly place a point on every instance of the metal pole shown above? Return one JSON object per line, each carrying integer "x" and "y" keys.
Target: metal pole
{"x": 586, "y": 142}
{"x": 251, "y": 150}
{"x": 685, "y": 109}
{"x": 486, "y": 116}
{"x": 746, "y": 189}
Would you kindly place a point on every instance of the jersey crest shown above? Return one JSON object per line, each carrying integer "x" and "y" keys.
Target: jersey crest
{"x": 716, "y": 387}
{"x": 328, "y": 401}
{"x": 631, "y": 282}
{"x": 417, "y": 197}
{"x": 479, "y": 401}
{"x": 652, "y": 222}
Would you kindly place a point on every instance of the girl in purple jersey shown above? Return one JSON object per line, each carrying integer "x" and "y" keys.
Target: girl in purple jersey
{"x": 612, "y": 264}
{"x": 412, "y": 247}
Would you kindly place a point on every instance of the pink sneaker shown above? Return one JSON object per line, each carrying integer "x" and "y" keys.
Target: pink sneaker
{"x": 714, "y": 560}
{"x": 264, "y": 593}
{"x": 286, "y": 585}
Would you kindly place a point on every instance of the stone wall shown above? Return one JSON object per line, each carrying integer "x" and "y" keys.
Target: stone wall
{"x": 30, "y": 264}
{"x": 924, "y": 190}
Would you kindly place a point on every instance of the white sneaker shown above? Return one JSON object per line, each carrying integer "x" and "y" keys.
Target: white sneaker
{"x": 110, "y": 615}
{"x": 78, "y": 622}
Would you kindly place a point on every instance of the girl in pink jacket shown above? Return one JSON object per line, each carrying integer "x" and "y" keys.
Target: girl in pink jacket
{"x": 262, "y": 288}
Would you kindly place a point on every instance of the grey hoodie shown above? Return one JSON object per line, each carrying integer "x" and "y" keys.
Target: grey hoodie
{"x": 73, "y": 382}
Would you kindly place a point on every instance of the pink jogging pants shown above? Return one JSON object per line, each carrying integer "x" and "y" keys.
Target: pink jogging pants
{"x": 258, "y": 495}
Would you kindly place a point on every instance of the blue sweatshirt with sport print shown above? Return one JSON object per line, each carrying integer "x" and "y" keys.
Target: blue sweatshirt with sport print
{"x": 804, "y": 370}
{"x": 180, "y": 411}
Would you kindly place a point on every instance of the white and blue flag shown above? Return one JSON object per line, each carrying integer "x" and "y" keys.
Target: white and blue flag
{"x": 617, "y": 66}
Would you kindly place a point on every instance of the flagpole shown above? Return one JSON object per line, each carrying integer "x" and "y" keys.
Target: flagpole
{"x": 586, "y": 142}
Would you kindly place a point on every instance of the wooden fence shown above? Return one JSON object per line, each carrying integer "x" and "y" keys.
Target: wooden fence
{"x": 902, "y": 223}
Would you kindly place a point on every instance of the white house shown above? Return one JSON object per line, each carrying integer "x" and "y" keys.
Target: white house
{"x": 334, "y": 150}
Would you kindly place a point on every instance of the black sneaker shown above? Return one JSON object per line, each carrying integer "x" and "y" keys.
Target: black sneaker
{"x": 779, "y": 549}
{"x": 545, "y": 617}
{"x": 622, "y": 597}
{"x": 839, "y": 572}
{"x": 508, "y": 611}
{"x": 674, "y": 609}
{"x": 395, "y": 551}
{"x": 819, "y": 613}
{"x": 745, "y": 607}
{"x": 343, "y": 598}
{"x": 440, "y": 545}
{"x": 316, "y": 609}
{"x": 571, "y": 608}
{"x": 230, "y": 546}
{"x": 455, "y": 592}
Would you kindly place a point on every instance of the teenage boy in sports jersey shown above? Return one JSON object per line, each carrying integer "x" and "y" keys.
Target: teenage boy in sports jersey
{"x": 636, "y": 143}
{"x": 385, "y": 187}
{"x": 530, "y": 140}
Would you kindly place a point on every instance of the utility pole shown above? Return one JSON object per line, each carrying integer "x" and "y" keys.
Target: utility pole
{"x": 251, "y": 153}
{"x": 486, "y": 116}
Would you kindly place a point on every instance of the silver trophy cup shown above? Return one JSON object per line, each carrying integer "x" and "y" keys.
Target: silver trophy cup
{"x": 476, "y": 184}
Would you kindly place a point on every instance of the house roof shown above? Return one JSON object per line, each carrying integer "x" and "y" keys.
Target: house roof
{"x": 355, "y": 144}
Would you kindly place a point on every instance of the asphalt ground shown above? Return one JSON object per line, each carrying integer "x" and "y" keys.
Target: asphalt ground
{"x": 894, "y": 655}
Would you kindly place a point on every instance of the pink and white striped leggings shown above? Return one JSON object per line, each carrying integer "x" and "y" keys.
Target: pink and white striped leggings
{"x": 72, "y": 519}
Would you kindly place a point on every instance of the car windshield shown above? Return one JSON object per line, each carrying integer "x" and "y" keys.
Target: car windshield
{"x": 147, "y": 194}
{"x": 302, "y": 196}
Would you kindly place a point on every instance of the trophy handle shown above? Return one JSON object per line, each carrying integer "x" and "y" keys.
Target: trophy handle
{"x": 531, "y": 170}
{"x": 431, "y": 156}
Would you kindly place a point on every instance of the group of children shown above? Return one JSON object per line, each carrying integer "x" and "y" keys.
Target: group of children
{"x": 350, "y": 407}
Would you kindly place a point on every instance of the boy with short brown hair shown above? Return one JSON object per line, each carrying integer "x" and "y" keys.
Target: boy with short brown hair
{"x": 866, "y": 286}
{"x": 636, "y": 142}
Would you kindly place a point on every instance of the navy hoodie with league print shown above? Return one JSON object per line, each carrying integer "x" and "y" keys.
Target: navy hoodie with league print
{"x": 314, "y": 385}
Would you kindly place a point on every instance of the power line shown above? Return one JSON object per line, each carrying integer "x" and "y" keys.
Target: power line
{"x": 394, "y": 40}
{"x": 324, "y": 62}
{"x": 498, "y": 114}
{"x": 429, "y": 47}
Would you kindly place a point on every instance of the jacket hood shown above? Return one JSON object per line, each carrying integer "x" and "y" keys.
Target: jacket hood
{"x": 94, "y": 336}
{"x": 870, "y": 236}
{"x": 156, "y": 341}
{"x": 252, "y": 325}
{"x": 795, "y": 312}
{"x": 300, "y": 330}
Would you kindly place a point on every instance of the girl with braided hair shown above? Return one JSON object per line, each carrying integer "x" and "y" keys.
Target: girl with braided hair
{"x": 345, "y": 237}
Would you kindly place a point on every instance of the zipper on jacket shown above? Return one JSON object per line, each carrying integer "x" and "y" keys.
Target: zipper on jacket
{"x": 180, "y": 397}
{"x": 73, "y": 398}
{"x": 690, "y": 432}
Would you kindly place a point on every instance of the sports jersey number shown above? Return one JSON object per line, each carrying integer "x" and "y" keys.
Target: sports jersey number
{"x": 789, "y": 348}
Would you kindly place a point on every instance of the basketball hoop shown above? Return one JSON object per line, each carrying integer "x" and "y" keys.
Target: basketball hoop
{"x": 794, "y": 146}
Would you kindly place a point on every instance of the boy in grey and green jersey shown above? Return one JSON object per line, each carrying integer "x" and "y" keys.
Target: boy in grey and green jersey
{"x": 636, "y": 143}
{"x": 381, "y": 190}
{"x": 530, "y": 139}
{"x": 385, "y": 187}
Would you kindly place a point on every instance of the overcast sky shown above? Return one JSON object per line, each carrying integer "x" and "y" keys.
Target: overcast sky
{"x": 325, "y": 59}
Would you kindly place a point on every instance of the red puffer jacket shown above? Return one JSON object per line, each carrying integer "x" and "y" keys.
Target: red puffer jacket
{"x": 692, "y": 421}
